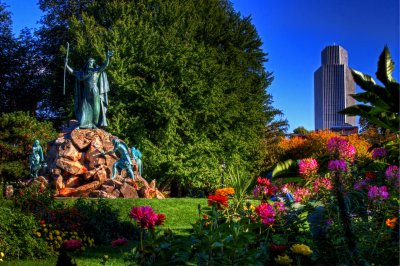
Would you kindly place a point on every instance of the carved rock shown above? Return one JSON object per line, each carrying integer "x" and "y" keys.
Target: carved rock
{"x": 71, "y": 167}
{"x": 81, "y": 137}
{"x": 128, "y": 191}
{"x": 58, "y": 183}
{"x": 9, "y": 193}
{"x": 68, "y": 150}
{"x": 77, "y": 168}
{"x": 107, "y": 189}
{"x": 73, "y": 182}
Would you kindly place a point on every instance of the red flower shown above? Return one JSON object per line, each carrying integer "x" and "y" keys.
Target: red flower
{"x": 370, "y": 174}
{"x": 220, "y": 200}
{"x": 119, "y": 242}
{"x": 205, "y": 217}
{"x": 263, "y": 181}
{"x": 277, "y": 248}
{"x": 42, "y": 222}
{"x": 160, "y": 218}
{"x": 72, "y": 244}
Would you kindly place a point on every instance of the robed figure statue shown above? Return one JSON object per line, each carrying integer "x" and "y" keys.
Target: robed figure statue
{"x": 91, "y": 88}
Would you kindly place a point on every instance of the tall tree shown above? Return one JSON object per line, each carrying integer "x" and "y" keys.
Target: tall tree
{"x": 188, "y": 84}
{"x": 7, "y": 44}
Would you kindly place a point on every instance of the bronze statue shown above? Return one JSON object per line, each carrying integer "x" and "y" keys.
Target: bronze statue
{"x": 124, "y": 161}
{"x": 36, "y": 159}
{"x": 91, "y": 88}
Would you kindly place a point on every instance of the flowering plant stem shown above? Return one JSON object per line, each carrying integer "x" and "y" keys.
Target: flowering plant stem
{"x": 345, "y": 216}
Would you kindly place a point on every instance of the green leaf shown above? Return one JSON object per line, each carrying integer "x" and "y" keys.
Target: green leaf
{"x": 283, "y": 167}
{"x": 385, "y": 67}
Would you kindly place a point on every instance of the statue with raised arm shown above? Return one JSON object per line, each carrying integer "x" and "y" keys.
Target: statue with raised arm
{"x": 91, "y": 89}
{"x": 36, "y": 159}
{"x": 124, "y": 161}
{"x": 137, "y": 155}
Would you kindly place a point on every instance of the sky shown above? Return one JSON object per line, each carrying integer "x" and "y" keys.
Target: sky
{"x": 294, "y": 32}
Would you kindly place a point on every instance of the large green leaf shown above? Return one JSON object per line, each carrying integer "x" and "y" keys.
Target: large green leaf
{"x": 283, "y": 167}
{"x": 385, "y": 67}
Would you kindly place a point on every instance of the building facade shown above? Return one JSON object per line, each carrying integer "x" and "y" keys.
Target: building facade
{"x": 333, "y": 84}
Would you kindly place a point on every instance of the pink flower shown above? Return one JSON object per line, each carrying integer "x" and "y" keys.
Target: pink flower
{"x": 379, "y": 153}
{"x": 144, "y": 215}
{"x": 72, "y": 244}
{"x": 322, "y": 182}
{"x": 337, "y": 165}
{"x": 266, "y": 212}
{"x": 375, "y": 193}
{"x": 301, "y": 194}
{"x": 119, "y": 242}
{"x": 392, "y": 172}
{"x": 308, "y": 167}
{"x": 279, "y": 206}
{"x": 341, "y": 147}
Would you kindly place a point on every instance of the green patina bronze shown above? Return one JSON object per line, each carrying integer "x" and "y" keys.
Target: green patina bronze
{"x": 124, "y": 162}
{"x": 36, "y": 159}
{"x": 137, "y": 155}
{"x": 91, "y": 89}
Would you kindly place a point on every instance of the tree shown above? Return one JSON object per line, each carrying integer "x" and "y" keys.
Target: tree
{"x": 18, "y": 131}
{"x": 300, "y": 131}
{"x": 188, "y": 85}
{"x": 381, "y": 104}
{"x": 7, "y": 43}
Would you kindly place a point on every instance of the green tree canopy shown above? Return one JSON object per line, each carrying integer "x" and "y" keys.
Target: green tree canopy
{"x": 188, "y": 83}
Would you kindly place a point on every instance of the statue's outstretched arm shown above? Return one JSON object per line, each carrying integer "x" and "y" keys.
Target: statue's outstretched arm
{"x": 106, "y": 62}
{"x": 70, "y": 70}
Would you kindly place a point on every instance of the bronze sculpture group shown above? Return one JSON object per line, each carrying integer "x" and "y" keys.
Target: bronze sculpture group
{"x": 90, "y": 108}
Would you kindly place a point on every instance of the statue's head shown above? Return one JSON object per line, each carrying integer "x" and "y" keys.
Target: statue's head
{"x": 36, "y": 143}
{"x": 91, "y": 62}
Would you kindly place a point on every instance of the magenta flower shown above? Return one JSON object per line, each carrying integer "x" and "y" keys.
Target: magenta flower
{"x": 361, "y": 184}
{"x": 375, "y": 193}
{"x": 72, "y": 244}
{"x": 279, "y": 206}
{"x": 119, "y": 242}
{"x": 342, "y": 147}
{"x": 144, "y": 215}
{"x": 337, "y": 165}
{"x": 308, "y": 167}
{"x": 379, "y": 153}
{"x": 392, "y": 172}
{"x": 266, "y": 212}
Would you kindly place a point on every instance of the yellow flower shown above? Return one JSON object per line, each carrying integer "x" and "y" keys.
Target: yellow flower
{"x": 1, "y": 255}
{"x": 38, "y": 234}
{"x": 301, "y": 249}
{"x": 57, "y": 232}
{"x": 283, "y": 260}
{"x": 59, "y": 238}
{"x": 45, "y": 230}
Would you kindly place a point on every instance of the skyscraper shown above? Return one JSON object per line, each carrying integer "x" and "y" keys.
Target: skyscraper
{"x": 333, "y": 83}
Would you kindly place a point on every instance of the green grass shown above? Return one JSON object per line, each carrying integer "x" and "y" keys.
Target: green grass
{"x": 180, "y": 214}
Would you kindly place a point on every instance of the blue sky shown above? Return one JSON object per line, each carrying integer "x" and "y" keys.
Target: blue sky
{"x": 294, "y": 32}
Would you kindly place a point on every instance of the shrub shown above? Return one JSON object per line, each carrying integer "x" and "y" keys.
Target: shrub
{"x": 100, "y": 221}
{"x": 17, "y": 235}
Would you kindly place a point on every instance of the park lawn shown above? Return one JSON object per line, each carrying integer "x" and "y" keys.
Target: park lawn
{"x": 180, "y": 214}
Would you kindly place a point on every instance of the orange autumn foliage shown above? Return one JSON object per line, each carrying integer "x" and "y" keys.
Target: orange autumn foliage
{"x": 314, "y": 145}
